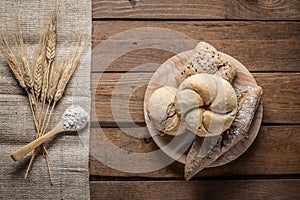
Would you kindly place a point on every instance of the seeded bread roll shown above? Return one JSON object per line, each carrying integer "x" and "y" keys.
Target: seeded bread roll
{"x": 206, "y": 59}
{"x": 206, "y": 103}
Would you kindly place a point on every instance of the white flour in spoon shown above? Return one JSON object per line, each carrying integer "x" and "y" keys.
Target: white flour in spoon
{"x": 74, "y": 118}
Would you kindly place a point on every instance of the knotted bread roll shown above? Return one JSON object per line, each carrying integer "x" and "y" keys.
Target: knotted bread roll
{"x": 207, "y": 104}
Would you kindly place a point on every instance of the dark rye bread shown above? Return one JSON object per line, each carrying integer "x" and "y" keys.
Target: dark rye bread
{"x": 205, "y": 151}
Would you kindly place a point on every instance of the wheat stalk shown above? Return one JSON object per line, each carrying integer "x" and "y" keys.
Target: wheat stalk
{"x": 70, "y": 64}
{"x": 50, "y": 51}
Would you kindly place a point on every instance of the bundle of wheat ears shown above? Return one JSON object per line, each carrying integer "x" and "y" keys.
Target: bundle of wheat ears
{"x": 44, "y": 78}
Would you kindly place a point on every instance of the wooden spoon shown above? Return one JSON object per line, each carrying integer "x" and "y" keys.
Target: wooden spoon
{"x": 73, "y": 119}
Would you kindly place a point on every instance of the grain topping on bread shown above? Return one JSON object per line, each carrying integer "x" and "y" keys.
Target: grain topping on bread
{"x": 206, "y": 59}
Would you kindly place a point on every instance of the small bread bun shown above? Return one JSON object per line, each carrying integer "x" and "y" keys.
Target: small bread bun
{"x": 207, "y": 104}
{"x": 161, "y": 110}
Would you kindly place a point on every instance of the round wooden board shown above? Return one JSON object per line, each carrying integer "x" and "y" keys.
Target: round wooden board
{"x": 166, "y": 76}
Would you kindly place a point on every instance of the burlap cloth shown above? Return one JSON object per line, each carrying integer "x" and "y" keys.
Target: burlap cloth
{"x": 68, "y": 153}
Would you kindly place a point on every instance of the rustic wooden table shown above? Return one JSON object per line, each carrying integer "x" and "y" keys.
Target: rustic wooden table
{"x": 263, "y": 35}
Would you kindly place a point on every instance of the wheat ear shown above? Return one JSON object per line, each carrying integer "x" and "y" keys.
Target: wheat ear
{"x": 27, "y": 73}
{"x": 24, "y": 61}
{"x": 39, "y": 64}
{"x": 50, "y": 50}
{"x": 70, "y": 65}
{"x": 12, "y": 61}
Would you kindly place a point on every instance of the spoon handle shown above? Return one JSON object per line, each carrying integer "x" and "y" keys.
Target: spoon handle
{"x": 20, "y": 153}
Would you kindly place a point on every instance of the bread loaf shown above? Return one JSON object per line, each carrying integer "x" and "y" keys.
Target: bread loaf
{"x": 198, "y": 158}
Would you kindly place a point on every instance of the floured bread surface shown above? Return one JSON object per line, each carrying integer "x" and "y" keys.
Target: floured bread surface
{"x": 161, "y": 110}
{"x": 206, "y": 59}
{"x": 206, "y": 103}
{"x": 198, "y": 158}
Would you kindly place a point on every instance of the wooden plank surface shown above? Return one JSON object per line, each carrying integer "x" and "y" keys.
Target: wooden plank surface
{"x": 169, "y": 190}
{"x": 263, "y": 35}
{"x": 260, "y": 46}
{"x": 200, "y": 9}
{"x": 124, "y": 94}
{"x": 275, "y": 151}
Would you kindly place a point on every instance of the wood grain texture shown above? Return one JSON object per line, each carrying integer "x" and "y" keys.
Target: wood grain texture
{"x": 228, "y": 189}
{"x": 123, "y": 94}
{"x": 270, "y": 49}
{"x": 201, "y": 9}
{"x": 274, "y": 152}
{"x": 260, "y": 46}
